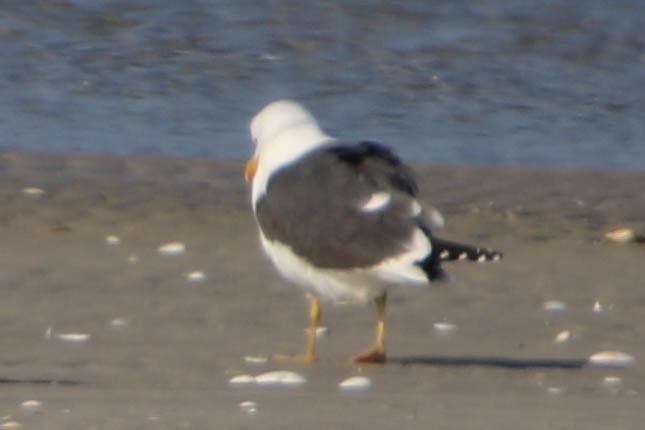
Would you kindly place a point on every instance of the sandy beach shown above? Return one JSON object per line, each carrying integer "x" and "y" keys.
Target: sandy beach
{"x": 111, "y": 333}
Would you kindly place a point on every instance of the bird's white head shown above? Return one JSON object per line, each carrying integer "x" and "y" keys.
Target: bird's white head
{"x": 275, "y": 118}
{"x": 283, "y": 131}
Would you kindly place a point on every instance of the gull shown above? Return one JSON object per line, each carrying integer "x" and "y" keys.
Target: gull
{"x": 342, "y": 220}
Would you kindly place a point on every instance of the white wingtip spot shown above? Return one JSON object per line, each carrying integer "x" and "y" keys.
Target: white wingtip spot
{"x": 444, "y": 254}
{"x": 611, "y": 359}
{"x": 497, "y": 257}
{"x": 463, "y": 256}
{"x": 481, "y": 258}
{"x": 376, "y": 202}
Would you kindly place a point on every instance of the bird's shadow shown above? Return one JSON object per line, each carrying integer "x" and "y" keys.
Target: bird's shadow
{"x": 38, "y": 381}
{"x": 490, "y": 361}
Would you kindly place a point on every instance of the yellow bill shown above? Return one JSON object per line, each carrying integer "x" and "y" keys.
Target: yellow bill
{"x": 250, "y": 169}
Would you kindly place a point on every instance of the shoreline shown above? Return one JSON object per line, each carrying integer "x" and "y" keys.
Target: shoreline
{"x": 9, "y": 155}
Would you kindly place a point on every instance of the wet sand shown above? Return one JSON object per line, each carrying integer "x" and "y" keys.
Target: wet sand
{"x": 163, "y": 348}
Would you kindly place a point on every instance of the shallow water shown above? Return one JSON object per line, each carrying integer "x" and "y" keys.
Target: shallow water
{"x": 561, "y": 83}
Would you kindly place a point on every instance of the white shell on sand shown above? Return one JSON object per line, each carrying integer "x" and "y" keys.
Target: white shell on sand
{"x": 611, "y": 359}
{"x": 554, "y": 306}
{"x": 73, "y": 337}
{"x": 321, "y": 331}
{"x": 280, "y": 377}
{"x": 195, "y": 276}
{"x": 67, "y": 337}
{"x": 554, "y": 391}
{"x": 10, "y": 425}
{"x": 621, "y": 235}
{"x": 242, "y": 380}
{"x": 597, "y": 307}
{"x": 563, "y": 337}
{"x": 612, "y": 381}
{"x": 172, "y": 248}
{"x": 250, "y": 359}
{"x": 355, "y": 383}
{"x": 283, "y": 378}
{"x": 248, "y": 407}
{"x": 113, "y": 240}
{"x": 33, "y": 192}
{"x": 31, "y": 406}
{"x": 119, "y": 322}
{"x": 444, "y": 328}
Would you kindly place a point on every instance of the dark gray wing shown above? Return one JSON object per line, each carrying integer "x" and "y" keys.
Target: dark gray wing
{"x": 314, "y": 206}
{"x": 380, "y": 164}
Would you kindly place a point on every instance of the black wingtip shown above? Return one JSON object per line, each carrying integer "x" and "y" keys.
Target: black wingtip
{"x": 444, "y": 250}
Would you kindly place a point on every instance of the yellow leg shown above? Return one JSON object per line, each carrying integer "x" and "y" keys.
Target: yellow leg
{"x": 314, "y": 323}
{"x": 376, "y": 354}
{"x": 309, "y": 355}
{"x": 380, "y": 323}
